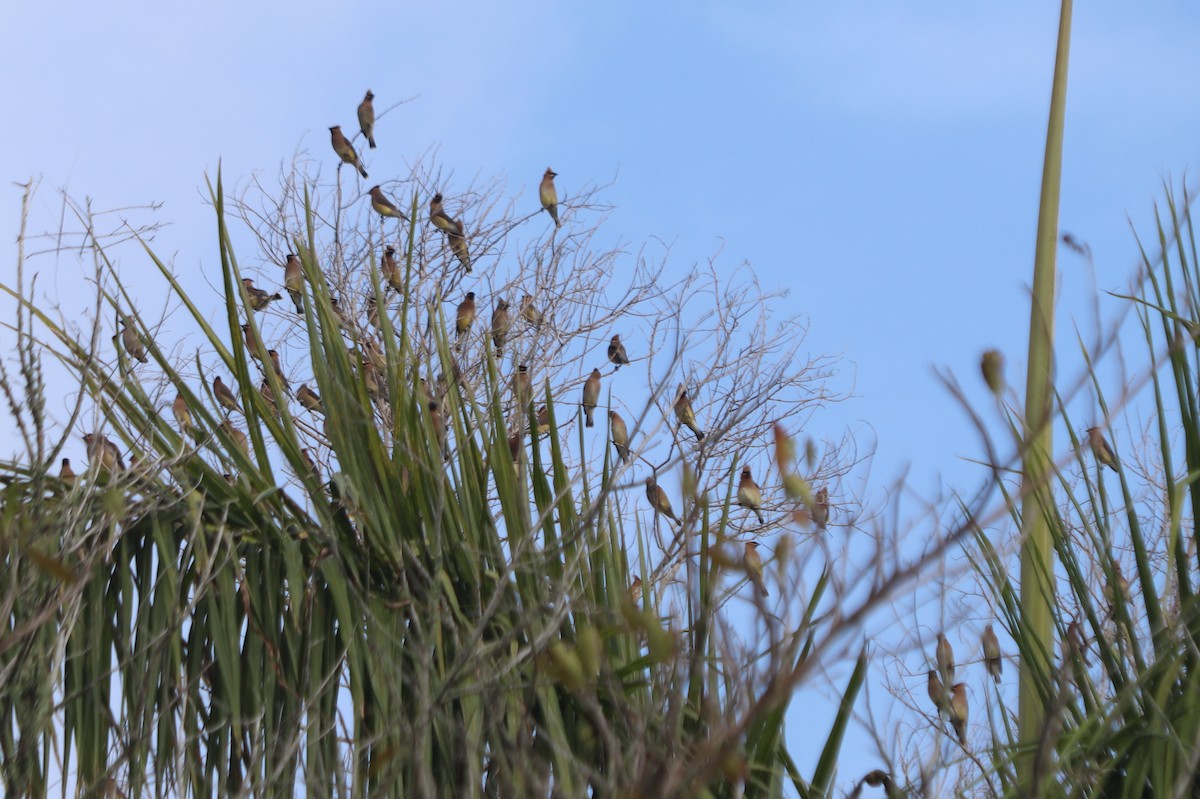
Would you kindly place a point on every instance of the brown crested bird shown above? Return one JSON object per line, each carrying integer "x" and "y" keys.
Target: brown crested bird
{"x": 438, "y": 216}
{"x": 390, "y": 269}
{"x": 991, "y": 653}
{"x": 685, "y": 414}
{"x": 374, "y": 354}
{"x": 183, "y": 414}
{"x": 1122, "y": 586}
{"x": 465, "y": 317}
{"x": 253, "y": 345}
{"x": 224, "y": 396}
{"x": 439, "y": 428}
{"x": 65, "y": 472}
{"x": 309, "y": 463}
{"x": 549, "y": 195}
{"x": 239, "y": 438}
{"x": 293, "y": 281}
{"x": 276, "y": 368}
{"x": 1101, "y": 448}
{"x": 376, "y": 387}
{"x": 945, "y": 658}
{"x": 752, "y": 562}
{"x": 268, "y": 397}
{"x": 820, "y": 509}
{"x": 366, "y": 119}
{"x": 620, "y": 436}
{"x": 991, "y": 364}
{"x": 458, "y": 245}
{"x": 383, "y": 206}
{"x": 543, "y": 420}
{"x": 616, "y": 352}
{"x": 343, "y": 321}
{"x": 514, "y": 446}
{"x": 959, "y": 711}
{"x": 132, "y": 342}
{"x": 258, "y": 299}
{"x": 344, "y": 149}
{"x": 102, "y": 453}
{"x": 1076, "y": 642}
{"x": 749, "y": 495}
{"x": 659, "y": 500}
{"x": 373, "y": 312}
{"x": 591, "y": 395}
{"x": 523, "y": 386}
{"x": 937, "y": 693}
{"x": 309, "y": 399}
{"x": 529, "y": 311}
{"x": 501, "y": 323}
{"x": 635, "y": 590}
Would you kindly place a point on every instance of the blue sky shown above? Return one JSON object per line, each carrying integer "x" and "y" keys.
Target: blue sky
{"x": 878, "y": 161}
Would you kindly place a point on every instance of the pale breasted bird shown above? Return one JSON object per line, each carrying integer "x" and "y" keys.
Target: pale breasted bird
{"x": 992, "y": 367}
{"x": 752, "y": 562}
{"x": 959, "y": 711}
{"x": 239, "y": 438}
{"x": 390, "y": 269}
{"x": 523, "y": 386}
{"x": 366, "y": 119}
{"x": 591, "y": 395}
{"x": 258, "y": 298}
{"x": 253, "y": 345}
{"x": 102, "y": 453}
{"x": 276, "y": 368}
{"x": 66, "y": 473}
{"x": 1122, "y": 586}
{"x": 269, "y": 397}
{"x": 937, "y": 693}
{"x": 293, "y": 281}
{"x": 820, "y": 509}
{"x": 376, "y": 387}
{"x": 945, "y": 658}
{"x": 543, "y": 420}
{"x": 458, "y": 245}
{"x": 529, "y": 311}
{"x": 685, "y": 414}
{"x": 620, "y": 436}
{"x": 374, "y": 353}
{"x": 224, "y": 396}
{"x": 749, "y": 495}
{"x": 438, "y": 216}
{"x": 549, "y": 195}
{"x": 465, "y": 317}
{"x": 501, "y": 323}
{"x": 309, "y": 399}
{"x": 635, "y": 590}
{"x": 132, "y": 342}
{"x": 991, "y": 653}
{"x": 344, "y": 149}
{"x": 373, "y": 312}
{"x": 1076, "y": 642}
{"x": 439, "y": 428}
{"x": 616, "y": 352}
{"x": 659, "y": 500}
{"x": 1101, "y": 448}
{"x": 514, "y": 446}
{"x": 343, "y": 321}
{"x": 183, "y": 414}
{"x": 383, "y": 206}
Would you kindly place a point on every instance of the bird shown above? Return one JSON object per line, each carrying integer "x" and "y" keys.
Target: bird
{"x": 616, "y": 352}
{"x": 366, "y": 119}
{"x": 183, "y": 414}
{"x": 937, "y": 693}
{"x": 958, "y": 711}
{"x": 132, "y": 342}
{"x": 1076, "y": 641}
{"x": 465, "y": 317}
{"x": 749, "y": 495}
{"x": 549, "y": 195}
{"x": 253, "y": 345}
{"x": 66, "y": 473}
{"x": 293, "y": 281}
{"x": 543, "y": 420}
{"x": 991, "y": 653}
{"x": 438, "y": 216}
{"x": 344, "y": 149}
{"x": 268, "y": 397}
{"x": 103, "y": 454}
{"x": 374, "y": 354}
{"x": 376, "y": 388}
{"x": 820, "y": 508}
{"x": 1122, "y": 586}
{"x": 529, "y": 311}
{"x": 383, "y": 206}
{"x": 685, "y": 414}
{"x": 391, "y": 269}
{"x": 224, "y": 396}
{"x": 343, "y": 322}
{"x": 523, "y": 386}
{"x": 659, "y": 500}
{"x": 309, "y": 463}
{"x": 258, "y": 298}
{"x": 373, "y": 312}
{"x": 635, "y": 590}
{"x": 753, "y": 564}
{"x": 991, "y": 364}
{"x": 1101, "y": 448}
{"x": 501, "y": 322}
{"x": 239, "y": 438}
{"x": 620, "y": 436}
{"x": 276, "y": 368}
{"x": 514, "y": 446}
{"x": 458, "y": 245}
{"x": 945, "y": 658}
{"x": 591, "y": 395}
{"x": 309, "y": 399}
{"x": 439, "y": 428}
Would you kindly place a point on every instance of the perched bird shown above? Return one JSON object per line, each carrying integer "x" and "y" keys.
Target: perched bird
{"x": 591, "y": 395}
{"x": 344, "y": 149}
{"x": 258, "y": 298}
{"x": 992, "y": 367}
{"x": 132, "y": 342}
{"x": 620, "y": 436}
{"x": 543, "y": 420}
{"x": 749, "y": 495}
{"x": 659, "y": 500}
{"x": 458, "y": 245}
{"x": 376, "y": 388}
{"x": 959, "y": 711}
{"x": 1076, "y": 642}
{"x": 523, "y": 386}
{"x": 269, "y": 397}
{"x": 390, "y": 269}
{"x": 66, "y": 473}
{"x": 239, "y": 438}
{"x": 514, "y": 446}
{"x": 253, "y": 345}
{"x": 383, "y": 206}
{"x": 373, "y": 312}
{"x": 102, "y": 453}
{"x": 309, "y": 399}
{"x": 937, "y": 693}
{"x": 293, "y": 281}
{"x": 635, "y": 590}
{"x": 529, "y": 311}
{"x": 366, "y": 119}
{"x": 549, "y": 195}
{"x": 501, "y": 322}
{"x": 991, "y": 653}
{"x": 224, "y": 396}
{"x": 1122, "y": 586}
{"x": 616, "y": 352}
{"x": 439, "y": 428}
{"x": 820, "y": 509}
{"x": 465, "y": 317}
{"x": 183, "y": 414}
{"x": 1101, "y": 448}
{"x": 945, "y": 658}
{"x": 753, "y": 564}
{"x": 276, "y": 368}
{"x": 438, "y": 216}
{"x": 374, "y": 354}
{"x": 685, "y": 414}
